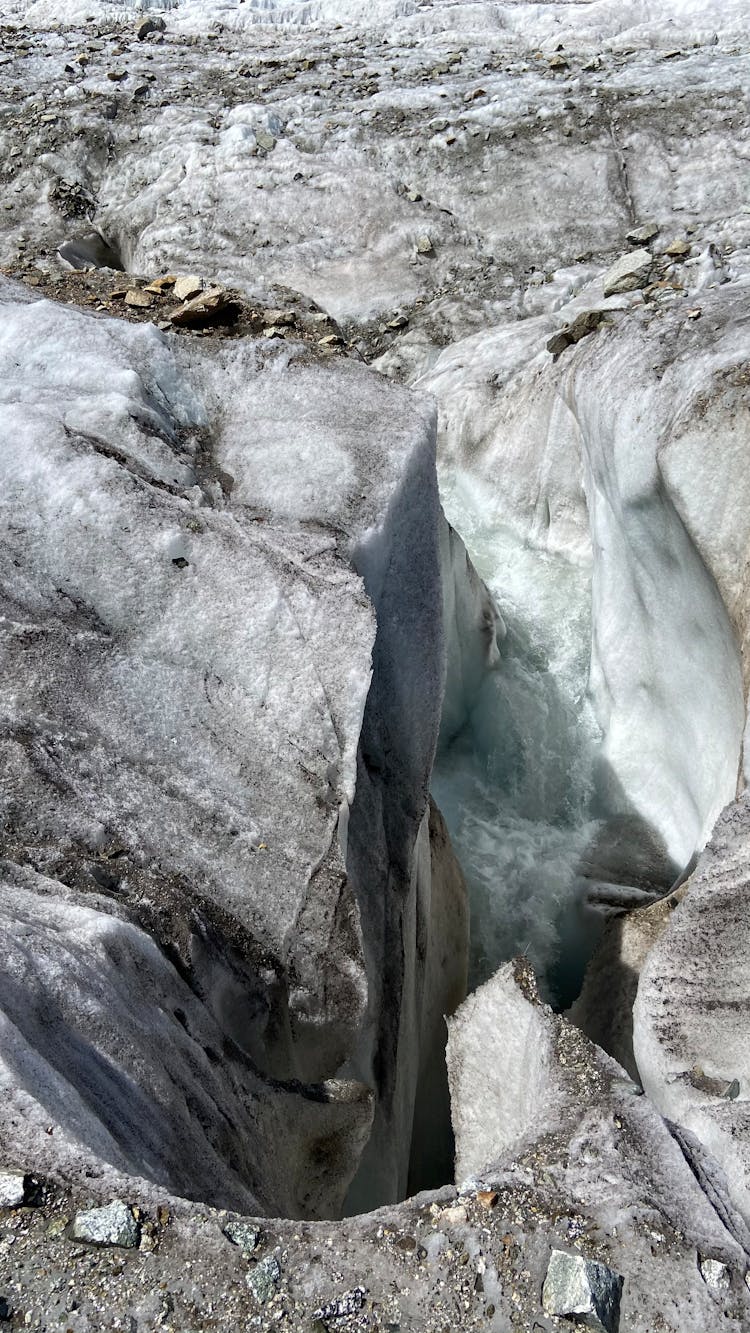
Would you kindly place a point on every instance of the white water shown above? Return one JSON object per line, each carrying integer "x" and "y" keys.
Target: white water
{"x": 516, "y": 783}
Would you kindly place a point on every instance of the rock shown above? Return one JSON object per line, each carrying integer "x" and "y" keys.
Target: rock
{"x": 186, "y": 288}
{"x": 581, "y": 327}
{"x": 558, "y": 62}
{"x": 262, "y": 1279}
{"x": 264, "y": 140}
{"x": 204, "y": 309}
{"x": 414, "y": 196}
{"x": 149, "y": 25}
{"x": 400, "y": 322}
{"x": 487, "y": 1199}
{"x": 138, "y": 298}
{"x": 715, "y": 1274}
{"x": 114, "y": 1224}
{"x": 678, "y": 249}
{"x": 582, "y": 1290}
{"x": 244, "y": 1235}
{"x": 12, "y": 1190}
{"x": 425, "y": 246}
{"x": 351, "y": 1302}
{"x": 455, "y": 1216}
{"x": 628, "y": 273}
{"x": 279, "y": 318}
{"x": 646, "y": 232}
{"x": 117, "y": 75}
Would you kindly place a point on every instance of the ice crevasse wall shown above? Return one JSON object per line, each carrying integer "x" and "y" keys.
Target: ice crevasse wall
{"x": 233, "y": 921}
{"x": 603, "y": 500}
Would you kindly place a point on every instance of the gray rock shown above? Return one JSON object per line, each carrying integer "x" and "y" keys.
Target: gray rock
{"x": 583, "y": 1290}
{"x": 646, "y": 232}
{"x": 148, "y": 26}
{"x": 627, "y": 273}
{"x": 425, "y": 246}
{"x": 244, "y": 1235}
{"x": 114, "y": 1224}
{"x": 715, "y": 1274}
{"x": 581, "y": 327}
{"x": 263, "y": 1278}
{"x": 265, "y": 140}
{"x": 12, "y": 1190}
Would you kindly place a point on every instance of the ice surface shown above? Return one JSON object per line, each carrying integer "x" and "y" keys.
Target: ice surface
{"x": 188, "y": 655}
{"x": 691, "y": 1011}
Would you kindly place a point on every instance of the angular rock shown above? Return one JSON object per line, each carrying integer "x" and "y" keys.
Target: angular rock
{"x": 138, "y": 298}
{"x": 628, "y": 273}
{"x": 583, "y": 324}
{"x": 204, "y": 309}
{"x": 186, "y": 288}
{"x": 678, "y": 249}
{"x": 12, "y": 1190}
{"x": 715, "y": 1274}
{"x": 150, "y": 25}
{"x": 264, "y": 140}
{"x": 262, "y": 1279}
{"x": 424, "y": 245}
{"x": 244, "y": 1235}
{"x": 114, "y": 1224}
{"x": 640, "y": 235}
{"x": 582, "y": 1290}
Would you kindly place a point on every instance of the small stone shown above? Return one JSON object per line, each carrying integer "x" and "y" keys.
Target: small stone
{"x": 733, "y": 1091}
{"x": 406, "y": 1243}
{"x": 678, "y": 249}
{"x": 161, "y": 285}
{"x": 148, "y": 26}
{"x": 341, "y": 1307}
{"x": 582, "y": 1290}
{"x": 117, "y": 75}
{"x": 185, "y": 289}
{"x": 558, "y": 62}
{"x": 628, "y": 273}
{"x": 262, "y": 1279}
{"x": 487, "y": 1199}
{"x": 112, "y": 1225}
{"x": 264, "y": 140}
{"x": 138, "y": 298}
{"x": 400, "y": 322}
{"x": 244, "y": 1235}
{"x": 425, "y": 246}
{"x": 558, "y": 342}
{"x": 714, "y": 1273}
{"x": 414, "y": 196}
{"x": 203, "y": 310}
{"x": 180, "y": 562}
{"x": 696, "y": 313}
{"x": 639, "y": 235}
{"x": 109, "y": 111}
{"x": 12, "y": 1190}
{"x": 454, "y": 1217}
{"x": 330, "y": 340}
{"x": 279, "y": 317}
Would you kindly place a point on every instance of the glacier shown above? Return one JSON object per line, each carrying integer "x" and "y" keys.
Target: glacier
{"x": 352, "y": 649}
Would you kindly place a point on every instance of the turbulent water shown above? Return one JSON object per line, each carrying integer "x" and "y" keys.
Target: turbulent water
{"x": 517, "y": 783}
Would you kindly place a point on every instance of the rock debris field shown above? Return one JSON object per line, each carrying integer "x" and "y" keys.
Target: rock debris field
{"x": 375, "y": 615}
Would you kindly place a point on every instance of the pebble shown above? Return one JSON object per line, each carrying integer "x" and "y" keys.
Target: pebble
{"x": 244, "y": 1235}
{"x": 12, "y": 1190}
{"x": 114, "y": 1224}
{"x": 714, "y": 1273}
{"x": 262, "y": 1279}
{"x": 136, "y": 297}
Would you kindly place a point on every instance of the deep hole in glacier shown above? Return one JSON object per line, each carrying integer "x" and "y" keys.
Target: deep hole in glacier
{"x": 545, "y": 836}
